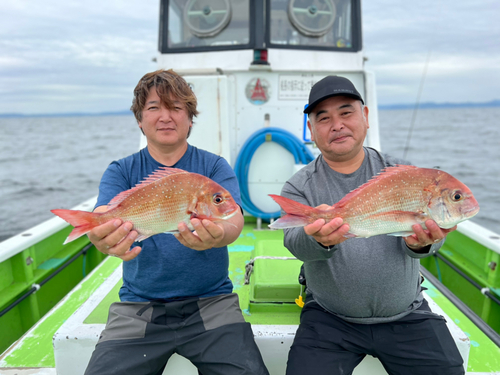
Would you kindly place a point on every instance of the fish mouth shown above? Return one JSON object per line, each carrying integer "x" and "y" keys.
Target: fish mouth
{"x": 470, "y": 212}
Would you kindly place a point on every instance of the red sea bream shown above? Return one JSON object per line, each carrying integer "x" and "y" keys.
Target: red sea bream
{"x": 158, "y": 204}
{"x": 390, "y": 203}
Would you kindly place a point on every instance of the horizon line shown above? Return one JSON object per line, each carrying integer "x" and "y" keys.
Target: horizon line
{"x": 425, "y": 105}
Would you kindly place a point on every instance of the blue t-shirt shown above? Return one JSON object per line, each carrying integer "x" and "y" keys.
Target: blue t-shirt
{"x": 165, "y": 269}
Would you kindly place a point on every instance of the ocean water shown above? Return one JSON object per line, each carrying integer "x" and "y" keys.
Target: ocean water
{"x": 57, "y": 162}
{"x": 464, "y": 142}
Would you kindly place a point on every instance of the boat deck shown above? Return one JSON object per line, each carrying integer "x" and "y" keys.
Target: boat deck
{"x": 267, "y": 301}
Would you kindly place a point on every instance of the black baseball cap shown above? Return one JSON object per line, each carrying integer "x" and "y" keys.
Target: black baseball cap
{"x": 328, "y": 87}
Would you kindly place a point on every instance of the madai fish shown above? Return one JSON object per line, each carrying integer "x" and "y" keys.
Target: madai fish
{"x": 158, "y": 204}
{"x": 390, "y": 203}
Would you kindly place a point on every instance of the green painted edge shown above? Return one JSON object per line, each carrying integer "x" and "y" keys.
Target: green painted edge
{"x": 484, "y": 355}
{"x": 100, "y": 314}
{"x": 35, "y": 349}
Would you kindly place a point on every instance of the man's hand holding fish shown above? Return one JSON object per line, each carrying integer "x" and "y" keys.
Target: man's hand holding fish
{"x": 115, "y": 239}
{"x": 207, "y": 234}
{"x": 327, "y": 233}
{"x": 424, "y": 238}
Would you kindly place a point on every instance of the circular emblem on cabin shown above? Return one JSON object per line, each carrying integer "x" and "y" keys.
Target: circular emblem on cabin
{"x": 258, "y": 91}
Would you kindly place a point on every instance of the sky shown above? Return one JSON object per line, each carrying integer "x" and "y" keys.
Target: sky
{"x": 61, "y": 56}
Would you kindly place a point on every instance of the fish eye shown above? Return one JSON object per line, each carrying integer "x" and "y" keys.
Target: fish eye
{"x": 218, "y": 198}
{"x": 457, "y": 196}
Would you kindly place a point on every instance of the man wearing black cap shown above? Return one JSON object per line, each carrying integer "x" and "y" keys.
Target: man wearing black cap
{"x": 363, "y": 294}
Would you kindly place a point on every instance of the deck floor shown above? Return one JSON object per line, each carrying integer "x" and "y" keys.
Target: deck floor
{"x": 34, "y": 351}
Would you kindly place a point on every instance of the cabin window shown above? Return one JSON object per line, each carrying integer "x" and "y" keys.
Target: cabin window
{"x": 318, "y": 24}
{"x": 208, "y": 24}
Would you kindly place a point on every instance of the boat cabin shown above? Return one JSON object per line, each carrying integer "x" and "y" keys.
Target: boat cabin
{"x": 251, "y": 65}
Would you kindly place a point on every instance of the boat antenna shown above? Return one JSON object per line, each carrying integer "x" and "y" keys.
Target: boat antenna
{"x": 417, "y": 103}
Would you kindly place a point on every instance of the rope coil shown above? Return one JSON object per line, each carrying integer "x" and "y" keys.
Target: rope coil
{"x": 290, "y": 142}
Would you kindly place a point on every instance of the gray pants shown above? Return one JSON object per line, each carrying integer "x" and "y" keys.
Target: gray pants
{"x": 139, "y": 338}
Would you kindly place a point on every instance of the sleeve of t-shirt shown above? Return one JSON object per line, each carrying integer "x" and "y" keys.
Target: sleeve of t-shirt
{"x": 304, "y": 247}
{"x": 113, "y": 182}
{"x": 224, "y": 175}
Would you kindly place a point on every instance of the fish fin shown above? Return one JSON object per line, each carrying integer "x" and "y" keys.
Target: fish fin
{"x": 396, "y": 169}
{"x": 120, "y": 198}
{"x": 289, "y": 221}
{"x": 432, "y": 187}
{"x": 83, "y": 222}
{"x": 293, "y": 208}
{"x": 400, "y": 234}
{"x": 298, "y": 214}
{"x": 191, "y": 209}
{"x": 142, "y": 237}
{"x": 384, "y": 173}
{"x": 160, "y": 173}
{"x": 155, "y": 176}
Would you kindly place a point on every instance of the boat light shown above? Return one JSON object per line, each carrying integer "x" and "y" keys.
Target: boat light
{"x": 260, "y": 57}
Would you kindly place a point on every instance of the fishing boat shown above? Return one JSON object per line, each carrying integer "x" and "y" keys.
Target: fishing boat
{"x": 251, "y": 64}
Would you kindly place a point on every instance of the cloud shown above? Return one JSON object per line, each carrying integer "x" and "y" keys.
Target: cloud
{"x": 461, "y": 39}
{"x": 74, "y": 56}
{"x": 87, "y": 56}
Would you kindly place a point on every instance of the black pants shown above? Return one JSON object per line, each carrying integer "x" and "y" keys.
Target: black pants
{"x": 418, "y": 344}
{"x": 139, "y": 338}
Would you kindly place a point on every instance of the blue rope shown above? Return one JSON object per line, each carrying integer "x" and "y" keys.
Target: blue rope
{"x": 438, "y": 269}
{"x": 301, "y": 155}
{"x": 84, "y": 265}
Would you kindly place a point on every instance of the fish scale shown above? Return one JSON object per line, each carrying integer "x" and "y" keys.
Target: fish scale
{"x": 158, "y": 204}
{"x": 359, "y": 212}
{"x": 390, "y": 203}
{"x": 153, "y": 216}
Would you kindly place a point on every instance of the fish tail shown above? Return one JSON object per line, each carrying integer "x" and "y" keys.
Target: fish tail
{"x": 298, "y": 214}
{"x": 83, "y": 222}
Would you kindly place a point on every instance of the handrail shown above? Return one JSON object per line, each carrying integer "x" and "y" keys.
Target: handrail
{"x": 36, "y": 287}
{"x": 16, "y": 244}
{"x": 474, "y": 318}
{"x": 481, "y": 235}
{"x": 484, "y": 291}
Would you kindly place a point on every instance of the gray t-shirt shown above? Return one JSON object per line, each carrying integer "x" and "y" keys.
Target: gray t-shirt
{"x": 362, "y": 280}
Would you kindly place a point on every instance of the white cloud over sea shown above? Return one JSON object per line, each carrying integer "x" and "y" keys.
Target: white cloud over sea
{"x": 58, "y": 56}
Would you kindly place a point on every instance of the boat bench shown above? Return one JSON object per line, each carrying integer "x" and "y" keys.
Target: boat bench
{"x": 267, "y": 300}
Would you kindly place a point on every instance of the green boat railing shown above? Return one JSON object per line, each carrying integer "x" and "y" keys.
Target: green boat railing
{"x": 480, "y": 323}
{"x": 484, "y": 290}
{"x": 34, "y": 258}
{"x": 467, "y": 266}
{"x": 36, "y": 287}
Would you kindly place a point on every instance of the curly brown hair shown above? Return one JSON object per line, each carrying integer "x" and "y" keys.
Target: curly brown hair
{"x": 168, "y": 85}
